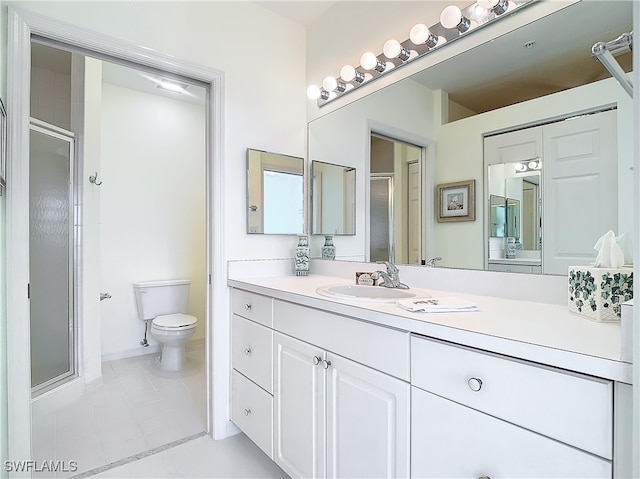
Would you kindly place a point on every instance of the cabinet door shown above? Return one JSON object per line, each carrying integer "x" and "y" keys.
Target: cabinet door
{"x": 299, "y": 408}
{"x": 367, "y": 421}
{"x": 451, "y": 440}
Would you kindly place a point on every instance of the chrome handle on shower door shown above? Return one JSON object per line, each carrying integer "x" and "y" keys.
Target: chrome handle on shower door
{"x": 104, "y": 296}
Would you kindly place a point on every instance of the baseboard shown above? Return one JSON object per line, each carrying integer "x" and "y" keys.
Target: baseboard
{"x": 151, "y": 349}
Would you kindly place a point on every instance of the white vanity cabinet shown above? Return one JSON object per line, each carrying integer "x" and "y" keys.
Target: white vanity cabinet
{"x": 478, "y": 414}
{"x": 334, "y": 417}
{"x": 252, "y": 375}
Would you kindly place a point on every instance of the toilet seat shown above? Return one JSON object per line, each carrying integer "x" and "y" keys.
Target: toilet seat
{"x": 174, "y": 322}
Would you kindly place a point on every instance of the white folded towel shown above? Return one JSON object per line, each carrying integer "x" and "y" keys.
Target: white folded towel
{"x": 446, "y": 304}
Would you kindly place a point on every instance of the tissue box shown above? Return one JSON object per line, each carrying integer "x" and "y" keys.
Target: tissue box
{"x": 597, "y": 293}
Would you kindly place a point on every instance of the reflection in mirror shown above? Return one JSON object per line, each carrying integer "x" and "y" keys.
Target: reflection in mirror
{"x": 497, "y": 216}
{"x": 275, "y": 193}
{"x": 457, "y": 103}
{"x": 333, "y": 199}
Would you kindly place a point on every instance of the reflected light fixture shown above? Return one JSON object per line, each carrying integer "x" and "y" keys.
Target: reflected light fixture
{"x": 422, "y": 40}
{"x": 451, "y": 17}
{"x": 531, "y": 165}
{"x": 172, "y": 85}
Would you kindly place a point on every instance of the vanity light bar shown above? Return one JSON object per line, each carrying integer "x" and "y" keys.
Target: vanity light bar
{"x": 453, "y": 24}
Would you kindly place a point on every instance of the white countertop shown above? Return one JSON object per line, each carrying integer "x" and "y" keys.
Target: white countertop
{"x": 543, "y": 333}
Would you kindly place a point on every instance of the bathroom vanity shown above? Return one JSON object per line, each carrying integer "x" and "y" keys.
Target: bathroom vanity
{"x": 334, "y": 388}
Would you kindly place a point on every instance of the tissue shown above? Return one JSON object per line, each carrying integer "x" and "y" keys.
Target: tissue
{"x": 610, "y": 254}
{"x": 597, "y": 292}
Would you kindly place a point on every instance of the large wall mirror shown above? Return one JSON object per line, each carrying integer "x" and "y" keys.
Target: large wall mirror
{"x": 536, "y": 74}
{"x": 333, "y": 199}
{"x": 275, "y": 193}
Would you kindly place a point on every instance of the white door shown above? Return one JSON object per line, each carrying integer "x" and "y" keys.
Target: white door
{"x": 367, "y": 422}
{"x": 299, "y": 408}
{"x": 449, "y": 440}
{"x": 414, "y": 225}
{"x": 579, "y": 180}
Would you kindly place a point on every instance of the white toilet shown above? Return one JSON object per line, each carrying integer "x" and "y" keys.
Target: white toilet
{"x": 165, "y": 302}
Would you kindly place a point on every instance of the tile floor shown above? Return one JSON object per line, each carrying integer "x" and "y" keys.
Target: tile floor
{"x": 142, "y": 422}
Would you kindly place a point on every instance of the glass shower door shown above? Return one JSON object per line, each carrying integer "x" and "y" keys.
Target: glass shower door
{"x": 51, "y": 255}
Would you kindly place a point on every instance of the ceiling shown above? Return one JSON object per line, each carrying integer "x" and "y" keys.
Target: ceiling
{"x": 505, "y": 71}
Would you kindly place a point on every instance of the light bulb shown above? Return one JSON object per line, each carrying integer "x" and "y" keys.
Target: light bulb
{"x": 313, "y": 92}
{"x": 451, "y": 17}
{"x": 368, "y": 61}
{"x": 329, "y": 83}
{"x": 533, "y": 165}
{"x": 347, "y": 73}
{"x": 391, "y": 48}
{"x": 419, "y": 34}
{"x": 520, "y": 167}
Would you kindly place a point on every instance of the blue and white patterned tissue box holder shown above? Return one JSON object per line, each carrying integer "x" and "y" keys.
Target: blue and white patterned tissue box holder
{"x": 597, "y": 293}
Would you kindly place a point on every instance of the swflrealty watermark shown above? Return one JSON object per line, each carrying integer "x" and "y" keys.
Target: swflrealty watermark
{"x": 41, "y": 466}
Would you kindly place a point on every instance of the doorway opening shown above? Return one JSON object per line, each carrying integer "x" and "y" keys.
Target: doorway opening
{"x": 396, "y": 201}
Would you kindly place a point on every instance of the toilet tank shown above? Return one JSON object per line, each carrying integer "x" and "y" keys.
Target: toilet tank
{"x": 155, "y": 298}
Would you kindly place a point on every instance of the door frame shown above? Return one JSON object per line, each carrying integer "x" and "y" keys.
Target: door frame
{"x": 22, "y": 25}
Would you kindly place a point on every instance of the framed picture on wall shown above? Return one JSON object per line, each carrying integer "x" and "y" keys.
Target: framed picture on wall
{"x": 3, "y": 144}
{"x": 456, "y": 201}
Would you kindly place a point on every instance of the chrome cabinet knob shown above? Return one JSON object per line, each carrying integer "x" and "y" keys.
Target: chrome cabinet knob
{"x": 475, "y": 384}
{"x": 247, "y": 306}
{"x": 316, "y": 360}
{"x": 326, "y": 364}
{"x": 247, "y": 351}
{"x": 484, "y": 477}
{"x": 247, "y": 411}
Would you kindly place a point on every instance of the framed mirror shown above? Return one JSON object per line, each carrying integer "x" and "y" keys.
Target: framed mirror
{"x": 333, "y": 199}
{"x": 275, "y": 193}
{"x": 500, "y": 86}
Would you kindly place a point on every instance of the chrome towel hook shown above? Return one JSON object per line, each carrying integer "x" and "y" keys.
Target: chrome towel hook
{"x": 94, "y": 179}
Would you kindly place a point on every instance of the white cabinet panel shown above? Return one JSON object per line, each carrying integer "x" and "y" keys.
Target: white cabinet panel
{"x": 252, "y": 351}
{"x": 252, "y": 411}
{"x": 299, "y": 408}
{"x": 358, "y": 340}
{"x": 367, "y": 422}
{"x": 252, "y": 306}
{"x": 573, "y": 408}
{"x": 453, "y": 441}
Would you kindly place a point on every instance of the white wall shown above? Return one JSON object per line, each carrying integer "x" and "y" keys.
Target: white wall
{"x": 3, "y": 302}
{"x": 152, "y": 207}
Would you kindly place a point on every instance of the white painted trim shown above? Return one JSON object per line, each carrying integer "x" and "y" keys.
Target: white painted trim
{"x": 22, "y": 24}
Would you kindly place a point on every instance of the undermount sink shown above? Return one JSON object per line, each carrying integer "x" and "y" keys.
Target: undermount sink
{"x": 358, "y": 292}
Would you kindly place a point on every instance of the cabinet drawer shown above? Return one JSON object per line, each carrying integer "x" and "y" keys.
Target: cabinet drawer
{"x": 252, "y": 411}
{"x": 379, "y": 347}
{"x": 252, "y": 306}
{"x": 451, "y": 440}
{"x": 570, "y": 407}
{"x": 252, "y": 351}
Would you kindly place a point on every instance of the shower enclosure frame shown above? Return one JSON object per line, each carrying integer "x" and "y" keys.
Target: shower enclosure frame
{"x": 58, "y": 133}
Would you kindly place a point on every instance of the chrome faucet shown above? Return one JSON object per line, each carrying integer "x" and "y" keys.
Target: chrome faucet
{"x": 432, "y": 261}
{"x": 390, "y": 276}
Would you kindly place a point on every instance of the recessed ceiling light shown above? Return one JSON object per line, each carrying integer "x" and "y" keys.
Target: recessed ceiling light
{"x": 172, "y": 85}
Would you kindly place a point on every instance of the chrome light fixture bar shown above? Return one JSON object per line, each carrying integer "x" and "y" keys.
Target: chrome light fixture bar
{"x": 454, "y": 23}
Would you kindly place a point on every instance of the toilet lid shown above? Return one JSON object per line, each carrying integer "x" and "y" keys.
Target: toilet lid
{"x": 174, "y": 321}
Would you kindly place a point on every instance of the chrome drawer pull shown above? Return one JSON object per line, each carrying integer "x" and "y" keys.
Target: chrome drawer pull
{"x": 247, "y": 412}
{"x": 316, "y": 360}
{"x": 484, "y": 477}
{"x": 475, "y": 384}
{"x": 326, "y": 364}
{"x": 247, "y": 351}
{"x": 247, "y": 306}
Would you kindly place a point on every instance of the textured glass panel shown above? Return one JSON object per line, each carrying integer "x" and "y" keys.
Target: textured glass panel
{"x": 50, "y": 245}
{"x": 379, "y": 221}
